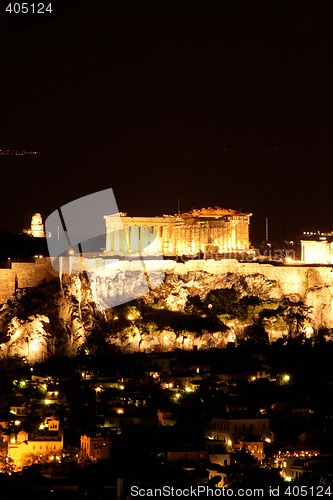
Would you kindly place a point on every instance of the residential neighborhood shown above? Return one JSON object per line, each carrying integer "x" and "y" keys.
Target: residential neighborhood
{"x": 211, "y": 417}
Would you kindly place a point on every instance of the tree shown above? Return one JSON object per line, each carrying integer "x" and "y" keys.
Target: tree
{"x": 254, "y": 335}
{"x": 6, "y": 464}
{"x": 296, "y": 315}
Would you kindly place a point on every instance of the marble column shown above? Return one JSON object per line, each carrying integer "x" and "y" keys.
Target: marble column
{"x": 135, "y": 239}
{"x": 144, "y": 238}
{"x": 116, "y": 245}
{"x": 109, "y": 240}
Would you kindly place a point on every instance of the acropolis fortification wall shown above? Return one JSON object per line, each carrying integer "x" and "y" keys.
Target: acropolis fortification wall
{"x": 312, "y": 284}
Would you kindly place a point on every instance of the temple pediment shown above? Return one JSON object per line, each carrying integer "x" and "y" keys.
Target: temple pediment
{"x": 210, "y": 212}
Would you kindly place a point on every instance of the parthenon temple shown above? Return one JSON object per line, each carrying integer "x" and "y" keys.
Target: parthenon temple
{"x": 207, "y": 230}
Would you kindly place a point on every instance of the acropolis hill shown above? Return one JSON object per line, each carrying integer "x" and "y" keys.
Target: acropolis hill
{"x": 197, "y": 301}
{"x": 55, "y": 311}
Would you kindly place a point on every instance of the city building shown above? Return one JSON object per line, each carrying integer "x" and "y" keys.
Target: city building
{"x": 53, "y": 424}
{"x": 232, "y": 430}
{"x": 95, "y": 447}
{"x": 317, "y": 252}
{"x": 24, "y": 451}
{"x": 252, "y": 445}
{"x": 208, "y": 231}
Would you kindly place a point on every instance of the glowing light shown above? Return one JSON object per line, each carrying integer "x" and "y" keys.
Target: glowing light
{"x": 120, "y": 411}
{"x": 121, "y": 387}
{"x": 177, "y": 395}
{"x": 44, "y": 386}
{"x": 22, "y": 383}
{"x": 188, "y": 389}
{"x": 286, "y": 378}
{"x": 17, "y": 422}
{"x": 288, "y": 479}
{"x": 34, "y": 345}
{"x": 47, "y": 401}
{"x": 268, "y": 440}
{"x": 56, "y": 393}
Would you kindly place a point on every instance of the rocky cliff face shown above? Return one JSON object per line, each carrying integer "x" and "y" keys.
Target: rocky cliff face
{"x": 191, "y": 307}
{"x": 48, "y": 319}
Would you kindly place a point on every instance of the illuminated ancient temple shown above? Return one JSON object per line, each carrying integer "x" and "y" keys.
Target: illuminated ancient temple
{"x": 207, "y": 231}
{"x": 317, "y": 252}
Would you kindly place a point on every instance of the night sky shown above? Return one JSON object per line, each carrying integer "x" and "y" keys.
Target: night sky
{"x": 223, "y": 103}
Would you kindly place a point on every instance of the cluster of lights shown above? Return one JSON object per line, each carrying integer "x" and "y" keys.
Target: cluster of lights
{"x": 187, "y": 390}
{"x": 312, "y": 233}
{"x": 280, "y": 462}
{"x": 297, "y": 454}
{"x": 15, "y": 152}
{"x": 53, "y": 394}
